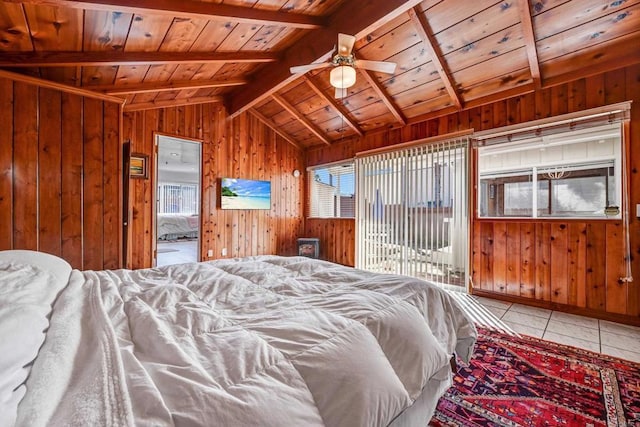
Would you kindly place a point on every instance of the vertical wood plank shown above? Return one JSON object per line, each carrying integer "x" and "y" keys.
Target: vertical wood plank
{"x": 595, "y": 267}
{"x": 25, "y": 167}
{"x": 93, "y": 236}
{"x": 6, "y": 164}
{"x": 499, "y": 258}
{"x": 486, "y": 245}
{"x": 559, "y": 253}
{"x": 543, "y": 262}
{"x": 49, "y": 167}
{"x": 111, "y": 187}
{"x": 528, "y": 260}
{"x": 72, "y": 194}
{"x": 616, "y": 289}
{"x": 514, "y": 261}
{"x": 577, "y": 245}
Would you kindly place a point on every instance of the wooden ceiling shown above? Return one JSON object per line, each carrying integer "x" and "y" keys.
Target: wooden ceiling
{"x": 451, "y": 54}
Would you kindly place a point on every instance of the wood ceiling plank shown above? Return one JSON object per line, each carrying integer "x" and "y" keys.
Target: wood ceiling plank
{"x": 105, "y": 30}
{"x": 64, "y": 59}
{"x": 14, "y": 32}
{"x": 434, "y": 104}
{"x": 600, "y": 58}
{"x": 462, "y": 35}
{"x": 421, "y": 25}
{"x": 191, "y": 9}
{"x": 170, "y": 103}
{"x": 160, "y": 73}
{"x": 266, "y": 39}
{"x": 274, "y": 127}
{"x": 54, "y": 29}
{"x": 131, "y": 74}
{"x": 380, "y": 90}
{"x": 448, "y": 13}
{"x": 393, "y": 41}
{"x": 374, "y": 36}
{"x": 147, "y": 32}
{"x": 311, "y": 126}
{"x": 419, "y": 94}
{"x": 598, "y": 31}
{"x": 530, "y": 41}
{"x": 181, "y": 35}
{"x": 372, "y": 110}
{"x": 98, "y": 75}
{"x": 153, "y": 87}
{"x": 408, "y": 59}
{"x": 544, "y": 6}
{"x": 64, "y": 75}
{"x": 361, "y": 99}
{"x": 356, "y": 18}
{"x": 575, "y": 13}
{"x": 489, "y": 47}
{"x": 214, "y": 33}
{"x": 334, "y": 104}
{"x": 497, "y": 84}
{"x": 238, "y": 37}
{"x": 504, "y": 64}
{"x": 383, "y": 121}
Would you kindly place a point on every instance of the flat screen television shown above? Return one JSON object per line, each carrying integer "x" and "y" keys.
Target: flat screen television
{"x": 245, "y": 194}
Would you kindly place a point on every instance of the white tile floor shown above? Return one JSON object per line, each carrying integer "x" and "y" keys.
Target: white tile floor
{"x": 177, "y": 252}
{"x": 596, "y": 335}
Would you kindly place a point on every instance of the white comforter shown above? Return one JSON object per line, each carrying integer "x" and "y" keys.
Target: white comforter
{"x": 267, "y": 341}
{"x": 177, "y": 224}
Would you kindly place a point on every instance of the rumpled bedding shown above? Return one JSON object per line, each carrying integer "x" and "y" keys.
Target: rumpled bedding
{"x": 268, "y": 340}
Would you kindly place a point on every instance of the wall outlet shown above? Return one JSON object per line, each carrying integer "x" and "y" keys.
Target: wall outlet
{"x": 210, "y": 253}
{"x": 224, "y": 251}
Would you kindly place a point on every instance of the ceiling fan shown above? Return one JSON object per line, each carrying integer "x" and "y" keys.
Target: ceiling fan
{"x": 343, "y": 75}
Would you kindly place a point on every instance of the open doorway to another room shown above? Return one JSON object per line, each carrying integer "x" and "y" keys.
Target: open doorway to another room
{"x": 178, "y": 184}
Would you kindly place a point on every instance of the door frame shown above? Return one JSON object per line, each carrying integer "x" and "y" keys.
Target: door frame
{"x": 154, "y": 194}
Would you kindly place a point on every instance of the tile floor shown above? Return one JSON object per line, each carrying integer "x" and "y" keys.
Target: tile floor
{"x": 600, "y": 336}
{"x": 177, "y": 252}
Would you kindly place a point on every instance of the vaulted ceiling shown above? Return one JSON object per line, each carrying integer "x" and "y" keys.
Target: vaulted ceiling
{"x": 450, "y": 54}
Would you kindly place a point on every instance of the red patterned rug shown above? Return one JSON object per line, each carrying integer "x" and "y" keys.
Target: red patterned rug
{"x": 523, "y": 381}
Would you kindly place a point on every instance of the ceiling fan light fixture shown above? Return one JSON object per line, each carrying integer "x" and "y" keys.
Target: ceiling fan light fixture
{"x": 342, "y": 77}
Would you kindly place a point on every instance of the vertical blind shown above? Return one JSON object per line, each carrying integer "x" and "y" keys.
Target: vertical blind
{"x": 178, "y": 198}
{"x": 332, "y": 191}
{"x": 412, "y": 212}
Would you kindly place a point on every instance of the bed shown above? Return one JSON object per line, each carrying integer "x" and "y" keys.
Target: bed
{"x": 266, "y": 340}
{"x": 176, "y": 226}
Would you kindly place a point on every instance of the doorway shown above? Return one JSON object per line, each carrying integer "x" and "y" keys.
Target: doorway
{"x": 178, "y": 202}
{"x": 412, "y": 215}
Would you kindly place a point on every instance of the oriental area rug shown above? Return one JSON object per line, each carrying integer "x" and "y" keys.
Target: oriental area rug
{"x": 523, "y": 381}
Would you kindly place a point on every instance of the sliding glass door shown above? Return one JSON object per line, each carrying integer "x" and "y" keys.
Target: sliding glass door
{"x": 412, "y": 212}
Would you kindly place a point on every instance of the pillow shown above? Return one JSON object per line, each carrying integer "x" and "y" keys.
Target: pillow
{"x": 29, "y": 284}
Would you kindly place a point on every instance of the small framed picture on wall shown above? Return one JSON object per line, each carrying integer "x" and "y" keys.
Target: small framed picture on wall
{"x": 139, "y": 166}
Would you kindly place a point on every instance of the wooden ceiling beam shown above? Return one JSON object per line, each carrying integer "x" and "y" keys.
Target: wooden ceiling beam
{"x": 530, "y": 41}
{"x": 300, "y": 117}
{"x": 191, "y": 9}
{"x": 357, "y": 18}
{"x": 334, "y": 104}
{"x": 153, "y": 87}
{"x": 60, "y": 86}
{"x": 83, "y": 59}
{"x": 171, "y": 103}
{"x": 431, "y": 46}
{"x": 274, "y": 127}
{"x": 384, "y": 96}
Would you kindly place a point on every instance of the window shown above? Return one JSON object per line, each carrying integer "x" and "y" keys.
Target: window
{"x": 569, "y": 174}
{"x": 332, "y": 191}
{"x": 178, "y": 198}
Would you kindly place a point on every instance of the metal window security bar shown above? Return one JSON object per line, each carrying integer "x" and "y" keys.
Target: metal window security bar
{"x": 412, "y": 212}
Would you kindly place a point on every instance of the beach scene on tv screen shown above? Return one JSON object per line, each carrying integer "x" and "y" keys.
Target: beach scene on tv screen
{"x": 245, "y": 194}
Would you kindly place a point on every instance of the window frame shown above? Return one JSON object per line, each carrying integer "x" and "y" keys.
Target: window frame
{"x": 311, "y": 179}
{"x": 533, "y": 170}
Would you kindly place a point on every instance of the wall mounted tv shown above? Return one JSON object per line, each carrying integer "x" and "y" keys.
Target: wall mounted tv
{"x": 245, "y": 194}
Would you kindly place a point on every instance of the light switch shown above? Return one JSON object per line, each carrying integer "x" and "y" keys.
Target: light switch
{"x": 638, "y": 210}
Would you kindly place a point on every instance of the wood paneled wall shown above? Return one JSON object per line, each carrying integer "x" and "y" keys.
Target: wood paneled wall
{"x": 337, "y": 237}
{"x": 567, "y": 264}
{"x": 60, "y": 168}
{"x": 239, "y": 148}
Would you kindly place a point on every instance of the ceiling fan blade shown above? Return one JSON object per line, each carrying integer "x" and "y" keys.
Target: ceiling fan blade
{"x": 380, "y": 66}
{"x": 345, "y": 44}
{"x": 341, "y": 93}
{"x": 304, "y": 68}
